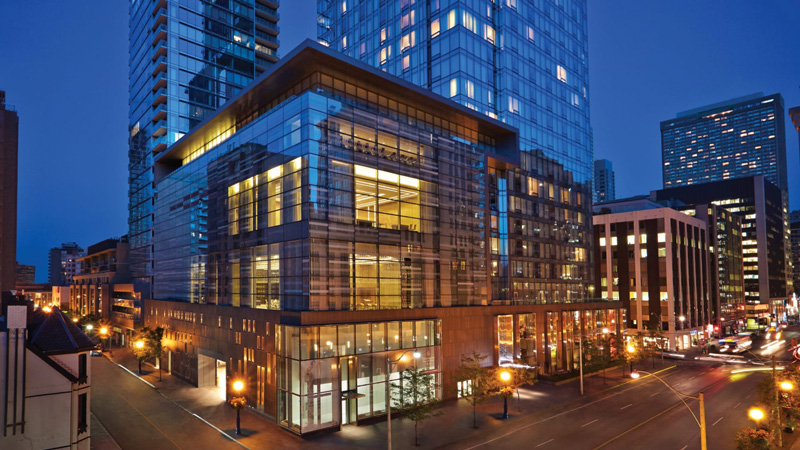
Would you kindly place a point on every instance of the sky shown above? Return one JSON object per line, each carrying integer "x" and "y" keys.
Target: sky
{"x": 64, "y": 66}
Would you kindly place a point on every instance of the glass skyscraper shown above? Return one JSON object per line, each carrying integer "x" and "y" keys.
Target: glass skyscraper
{"x": 186, "y": 58}
{"x": 604, "y": 181}
{"x": 522, "y": 62}
{"x": 732, "y": 139}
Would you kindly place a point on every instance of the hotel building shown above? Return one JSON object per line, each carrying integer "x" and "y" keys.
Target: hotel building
{"x": 332, "y": 216}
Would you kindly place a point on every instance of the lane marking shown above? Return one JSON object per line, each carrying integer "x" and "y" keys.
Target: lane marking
{"x": 717, "y": 421}
{"x": 734, "y": 406}
{"x": 224, "y": 434}
{"x": 587, "y": 424}
{"x": 653, "y": 395}
{"x": 685, "y": 447}
{"x": 546, "y": 442}
{"x": 629, "y": 404}
{"x": 570, "y": 410}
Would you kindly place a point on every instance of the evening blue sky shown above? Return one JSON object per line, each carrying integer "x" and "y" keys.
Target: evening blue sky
{"x": 64, "y": 67}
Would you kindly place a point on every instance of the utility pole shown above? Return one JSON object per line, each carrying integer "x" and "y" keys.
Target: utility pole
{"x": 580, "y": 358}
{"x": 703, "y": 444}
{"x": 779, "y": 431}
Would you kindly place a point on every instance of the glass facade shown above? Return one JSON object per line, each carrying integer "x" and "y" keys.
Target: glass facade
{"x": 735, "y": 139}
{"x": 335, "y": 375}
{"x": 523, "y": 62}
{"x": 186, "y": 58}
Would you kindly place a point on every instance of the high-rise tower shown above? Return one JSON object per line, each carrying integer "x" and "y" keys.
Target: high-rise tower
{"x": 604, "y": 181}
{"x": 522, "y": 62}
{"x": 9, "y": 139}
{"x": 185, "y": 59}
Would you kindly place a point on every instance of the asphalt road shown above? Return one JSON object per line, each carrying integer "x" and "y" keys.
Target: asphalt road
{"x": 138, "y": 417}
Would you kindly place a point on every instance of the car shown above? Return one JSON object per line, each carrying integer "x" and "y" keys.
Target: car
{"x": 96, "y": 352}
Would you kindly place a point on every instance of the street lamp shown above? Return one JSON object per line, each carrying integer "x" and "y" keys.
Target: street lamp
{"x": 389, "y": 362}
{"x": 89, "y": 327}
{"x": 506, "y": 377}
{"x": 103, "y": 336}
{"x": 139, "y": 346}
{"x": 631, "y": 351}
{"x": 756, "y": 414}
{"x": 700, "y": 422}
{"x": 238, "y": 386}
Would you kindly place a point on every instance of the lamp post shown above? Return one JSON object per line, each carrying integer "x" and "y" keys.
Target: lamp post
{"x": 238, "y": 386}
{"x": 701, "y": 422}
{"x": 506, "y": 377}
{"x": 139, "y": 346}
{"x": 682, "y": 319}
{"x": 580, "y": 356}
{"x": 389, "y": 362}
{"x": 104, "y": 336}
{"x": 631, "y": 351}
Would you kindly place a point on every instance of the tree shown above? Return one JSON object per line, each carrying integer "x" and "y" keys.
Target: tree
{"x": 750, "y": 439}
{"x": 656, "y": 340}
{"x": 140, "y": 348}
{"x": 477, "y": 382}
{"x": 520, "y": 376}
{"x": 415, "y": 398}
{"x": 599, "y": 355}
{"x": 155, "y": 340}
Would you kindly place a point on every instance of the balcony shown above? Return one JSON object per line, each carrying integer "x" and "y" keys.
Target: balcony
{"x": 160, "y": 5}
{"x": 160, "y": 113}
{"x": 160, "y": 18}
{"x": 267, "y": 3}
{"x": 159, "y": 144}
{"x": 267, "y": 53}
{"x": 160, "y": 83}
{"x": 267, "y": 25}
{"x": 160, "y": 65}
{"x": 160, "y": 127}
{"x": 159, "y": 97}
{"x": 266, "y": 11}
{"x": 160, "y": 50}
{"x": 160, "y": 34}
{"x": 266, "y": 39}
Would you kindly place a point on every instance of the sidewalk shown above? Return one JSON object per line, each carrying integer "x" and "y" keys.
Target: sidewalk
{"x": 446, "y": 430}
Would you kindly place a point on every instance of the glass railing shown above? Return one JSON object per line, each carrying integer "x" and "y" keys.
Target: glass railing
{"x": 267, "y": 23}
{"x": 271, "y": 11}
{"x": 266, "y": 36}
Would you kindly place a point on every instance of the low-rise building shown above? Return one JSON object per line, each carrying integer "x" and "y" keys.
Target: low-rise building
{"x": 25, "y": 274}
{"x": 45, "y": 380}
{"x": 104, "y": 288}
{"x": 655, "y": 260}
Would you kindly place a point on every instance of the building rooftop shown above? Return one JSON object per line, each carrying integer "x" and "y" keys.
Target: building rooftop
{"x": 53, "y": 333}
{"x": 722, "y": 104}
{"x": 310, "y": 57}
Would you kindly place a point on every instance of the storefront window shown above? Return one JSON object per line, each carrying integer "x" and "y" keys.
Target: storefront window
{"x": 527, "y": 339}
{"x": 505, "y": 339}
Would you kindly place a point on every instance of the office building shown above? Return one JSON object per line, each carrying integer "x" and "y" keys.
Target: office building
{"x": 656, "y": 260}
{"x": 185, "y": 60}
{"x": 604, "y": 182}
{"x": 741, "y": 137}
{"x": 25, "y": 274}
{"x": 46, "y": 384}
{"x": 737, "y": 138}
{"x": 795, "y": 243}
{"x": 794, "y": 113}
{"x": 9, "y": 140}
{"x": 104, "y": 287}
{"x": 522, "y": 62}
{"x": 64, "y": 263}
{"x": 758, "y": 203}
{"x": 332, "y": 216}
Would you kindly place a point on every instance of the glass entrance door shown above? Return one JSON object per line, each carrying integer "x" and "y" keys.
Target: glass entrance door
{"x": 347, "y": 375}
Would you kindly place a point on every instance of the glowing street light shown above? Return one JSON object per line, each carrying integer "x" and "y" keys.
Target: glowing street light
{"x": 238, "y": 386}
{"x": 786, "y": 385}
{"x": 506, "y": 377}
{"x": 47, "y": 309}
{"x": 139, "y": 346}
{"x": 89, "y": 327}
{"x": 389, "y": 362}
{"x": 756, "y": 414}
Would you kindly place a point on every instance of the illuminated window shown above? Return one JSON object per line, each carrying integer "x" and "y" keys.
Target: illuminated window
{"x": 511, "y": 3}
{"x": 344, "y": 7}
{"x": 385, "y": 53}
{"x": 513, "y": 105}
{"x": 643, "y": 238}
{"x": 562, "y": 74}
{"x": 383, "y": 35}
{"x": 407, "y": 41}
{"x": 613, "y": 240}
{"x": 278, "y": 201}
{"x": 406, "y": 62}
{"x": 631, "y": 239}
{"x": 265, "y": 276}
{"x": 386, "y": 200}
{"x": 530, "y": 33}
{"x": 662, "y": 237}
{"x": 407, "y": 20}
{"x": 470, "y": 89}
{"x": 602, "y": 242}
{"x": 644, "y": 253}
{"x": 488, "y": 33}
{"x": 435, "y": 28}
{"x": 453, "y": 87}
{"x": 451, "y": 19}
{"x": 468, "y": 20}
{"x": 344, "y": 42}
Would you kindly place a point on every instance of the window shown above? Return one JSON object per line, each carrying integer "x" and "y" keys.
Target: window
{"x": 344, "y": 42}
{"x": 513, "y": 105}
{"x": 470, "y": 89}
{"x": 488, "y": 33}
{"x": 277, "y": 201}
{"x": 406, "y": 62}
{"x": 468, "y": 20}
{"x": 530, "y": 33}
{"x": 407, "y": 41}
{"x": 562, "y": 74}
{"x": 385, "y": 54}
{"x": 407, "y": 20}
{"x": 451, "y": 19}
{"x": 82, "y": 369}
{"x": 386, "y": 200}
{"x": 383, "y": 35}
{"x": 435, "y": 28}
{"x": 662, "y": 237}
{"x": 83, "y": 413}
{"x": 453, "y": 87}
